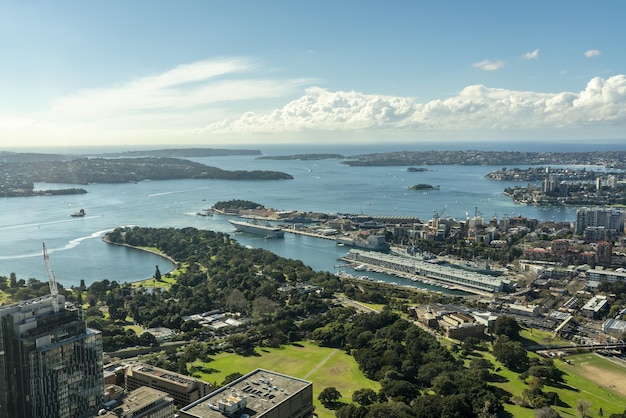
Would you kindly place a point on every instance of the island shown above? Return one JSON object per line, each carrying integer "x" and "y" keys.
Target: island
{"x": 416, "y": 169}
{"x": 422, "y": 186}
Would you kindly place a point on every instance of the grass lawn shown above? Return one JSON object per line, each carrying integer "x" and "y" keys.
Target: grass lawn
{"x": 575, "y": 387}
{"x": 324, "y": 367}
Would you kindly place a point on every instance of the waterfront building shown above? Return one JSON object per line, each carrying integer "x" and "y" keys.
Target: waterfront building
{"x": 50, "y": 362}
{"x": 413, "y": 266}
{"x": 183, "y": 389}
{"x": 259, "y": 394}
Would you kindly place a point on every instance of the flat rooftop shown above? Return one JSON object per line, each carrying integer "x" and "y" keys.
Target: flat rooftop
{"x": 175, "y": 378}
{"x": 138, "y": 400}
{"x": 262, "y": 389}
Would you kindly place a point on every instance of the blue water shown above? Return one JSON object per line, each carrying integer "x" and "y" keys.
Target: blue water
{"x": 77, "y": 251}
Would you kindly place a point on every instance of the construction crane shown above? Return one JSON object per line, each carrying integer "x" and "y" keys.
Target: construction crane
{"x": 54, "y": 291}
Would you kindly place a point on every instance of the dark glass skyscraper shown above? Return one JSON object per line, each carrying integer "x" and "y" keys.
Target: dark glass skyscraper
{"x": 50, "y": 362}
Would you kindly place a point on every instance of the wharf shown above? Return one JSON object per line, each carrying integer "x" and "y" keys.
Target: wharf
{"x": 309, "y": 234}
{"x": 428, "y": 280}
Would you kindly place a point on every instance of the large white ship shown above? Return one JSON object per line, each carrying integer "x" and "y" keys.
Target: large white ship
{"x": 266, "y": 230}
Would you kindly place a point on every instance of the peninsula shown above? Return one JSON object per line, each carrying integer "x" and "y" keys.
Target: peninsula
{"x": 608, "y": 159}
{"x": 18, "y": 178}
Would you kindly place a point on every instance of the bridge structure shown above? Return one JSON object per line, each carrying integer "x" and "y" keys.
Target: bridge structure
{"x": 617, "y": 346}
{"x": 562, "y": 325}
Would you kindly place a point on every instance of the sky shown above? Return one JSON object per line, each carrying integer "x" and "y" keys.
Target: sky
{"x": 214, "y": 73}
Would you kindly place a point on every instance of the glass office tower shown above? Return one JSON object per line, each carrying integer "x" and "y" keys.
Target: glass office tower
{"x": 50, "y": 362}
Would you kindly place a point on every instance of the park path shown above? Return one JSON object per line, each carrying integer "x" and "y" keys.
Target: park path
{"x": 321, "y": 363}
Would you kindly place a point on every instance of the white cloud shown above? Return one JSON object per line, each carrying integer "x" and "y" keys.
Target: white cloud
{"x": 476, "y": 107}
{"x": 489, "y": 65}
{"x": 533, "y": 55}
{"x": 222, "y": 99}
{"x": 592, "y": 53}
{"x": 177, "y": 92}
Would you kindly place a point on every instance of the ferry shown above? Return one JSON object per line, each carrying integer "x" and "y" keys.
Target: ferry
{"x": 78, "y": 214}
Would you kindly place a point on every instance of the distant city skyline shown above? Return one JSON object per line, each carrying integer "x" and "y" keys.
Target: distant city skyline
{"x": 245, "y": 72}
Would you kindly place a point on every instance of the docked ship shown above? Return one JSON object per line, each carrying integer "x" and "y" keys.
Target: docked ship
{"x": 266, "y": 230}
{"x": 373, "y": 242}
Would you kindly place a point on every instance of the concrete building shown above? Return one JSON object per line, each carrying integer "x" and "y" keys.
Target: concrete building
{"x": 526, "y": 310}
{"x": 143, "y": 402}
{"x": 610, "y": 276}
{"x": 50, "y": 362}
{"x": 610, "y": 218}
{"x": 615, "y": 327}
{"x": 259, "y": 394}
{"x": 459, "y": 326}
{"x": 595, "y": 307}
{"x": 183, "y": 389}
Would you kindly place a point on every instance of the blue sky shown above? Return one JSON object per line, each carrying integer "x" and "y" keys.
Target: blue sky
{"x": 151, "y": 72}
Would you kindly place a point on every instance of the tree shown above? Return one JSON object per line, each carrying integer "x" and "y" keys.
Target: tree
{"x": 157, "y": 274}
{"x": 365, "y": 396}
{"x": 510, "y": 353}
{"x": 506, "y": 325}
{"x": 231, "y": 378}
{"x": 584, "y": 408}
{"x": 329, "y": 396}
{"x": 351, "y": 411}
{"x": 546, "y": 412}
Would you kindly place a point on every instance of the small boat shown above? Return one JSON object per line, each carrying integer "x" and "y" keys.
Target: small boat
{"x": 78, "y": 214}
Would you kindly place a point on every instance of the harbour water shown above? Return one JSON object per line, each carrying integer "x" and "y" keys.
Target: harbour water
{"x": 78, "y": 253}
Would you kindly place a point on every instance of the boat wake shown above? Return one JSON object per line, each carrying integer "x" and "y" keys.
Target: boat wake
{"x": 71, "y": 244}
{"x": 27, "y": 225}
{"x": 175, "y": 192}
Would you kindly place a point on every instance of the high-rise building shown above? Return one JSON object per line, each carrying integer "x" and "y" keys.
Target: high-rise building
{"x": 610, "y": 218}
{"x": 50, "y": 362}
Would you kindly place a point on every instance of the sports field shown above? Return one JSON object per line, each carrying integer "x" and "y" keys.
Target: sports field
{"x": 324, "y": 367}
{"x": 586, "y": 378}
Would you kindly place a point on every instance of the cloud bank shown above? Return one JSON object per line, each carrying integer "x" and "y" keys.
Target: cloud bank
{"x": 476, "y": 107}
{"x": 219, "y": 100}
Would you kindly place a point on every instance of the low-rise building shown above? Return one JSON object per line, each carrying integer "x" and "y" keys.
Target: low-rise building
{"x": 595, "y": 307}
{"x": 526, "y": 310}
{"x": 610, "y": 276}
{"x": 183, "y": 389}
{"x": 259, "y": 394}
{"x": 142, "y": 402}
{"x": 460, "y": 326}
{"x": 614, "y": 327}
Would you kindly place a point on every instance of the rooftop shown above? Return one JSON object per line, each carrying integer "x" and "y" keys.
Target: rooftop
{"x": 260, "y": 391}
